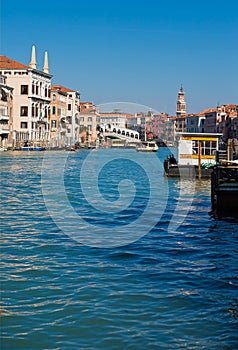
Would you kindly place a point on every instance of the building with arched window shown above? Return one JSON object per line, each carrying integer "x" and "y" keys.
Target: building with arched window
{"x": 31, "y": 100}
{"x": 64, "y": 116}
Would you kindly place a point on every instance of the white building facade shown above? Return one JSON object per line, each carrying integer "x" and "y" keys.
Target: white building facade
{"x": 31, "y": 100}
{"x": 5, "y": 113}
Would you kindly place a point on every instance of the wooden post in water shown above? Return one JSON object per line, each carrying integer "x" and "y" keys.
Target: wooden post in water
{"x": 229, "y": 149}
{"x": 199, "y": 160}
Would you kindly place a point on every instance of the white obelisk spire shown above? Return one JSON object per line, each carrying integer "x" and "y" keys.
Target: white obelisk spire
{"x": 46, "y": 65}
{"x": 33, "y": 57}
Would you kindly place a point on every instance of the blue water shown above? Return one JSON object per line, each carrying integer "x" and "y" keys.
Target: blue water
{"x": 173, "y": 288}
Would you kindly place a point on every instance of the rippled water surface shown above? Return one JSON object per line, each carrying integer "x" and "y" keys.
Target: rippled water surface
{"x": 173, "y": 288}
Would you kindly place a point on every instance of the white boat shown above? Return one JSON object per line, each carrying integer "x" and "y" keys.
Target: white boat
{"x": 147, "y": 146}
{"x": 197, "y": 153}
{"x": 3, "y": 149}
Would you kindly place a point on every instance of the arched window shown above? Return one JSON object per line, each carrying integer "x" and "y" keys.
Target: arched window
{"x": 53, "y": 110}
{"x": 32, "y": 110}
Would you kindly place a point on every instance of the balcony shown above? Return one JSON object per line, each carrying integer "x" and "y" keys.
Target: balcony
{"x": 42, "y": 120}
{"x": 4, "y": 118}
{"x": 4, "y": 129}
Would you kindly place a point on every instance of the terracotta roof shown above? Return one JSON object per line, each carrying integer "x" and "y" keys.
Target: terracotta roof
{"x": 111, "y": 114}
{"x": 206, "y": 111}
{"x": 230, "y": 108}
{"x": 8, "y": 63}
{"x": 61, "y": 88}
{"x": 88, "y": 111}
{"x": 233, "y": 114}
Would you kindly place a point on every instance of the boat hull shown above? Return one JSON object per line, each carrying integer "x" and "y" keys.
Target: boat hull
{"x": 31, "y": 149}
{"x": 187, "y": 171}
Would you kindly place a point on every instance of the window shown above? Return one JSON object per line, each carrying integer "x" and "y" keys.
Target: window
{"x": 33, "y": 110}
{"x": 89, "y": 127}
{"x": 24, "y": 111}
{"x": 53, "y": 124}
{"x": 37, "y": 89}
{"x": 24, "y": 89}
{"x": 23, "y": 125}
{"x": 69, "y": 107}
{"x": 54, "y": 97}
{"x": 33, "y": 89}
{"x": 89, "y": 119}
{"x": 82, "y": 119}
{"x": 53, "y": 110}
{"x": 46, "y": 92}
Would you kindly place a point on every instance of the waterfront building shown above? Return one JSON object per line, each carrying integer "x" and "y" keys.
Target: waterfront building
{"x": 31, "y": 100}
{"x": 226, "y": 125}
{"x": 58, "y": 117}
{"x": 162, "y": 127}
{"x": 195, "y": 123}
{"x": 89, "y": 121}
{"x": 5, "y": 113}
{"x": 64, "y": 116}
{"x": 114, "y": 119}
{"x": 137, "y": 122}
{"x": 212, "y": 117}
{"x": 86, "y": 105}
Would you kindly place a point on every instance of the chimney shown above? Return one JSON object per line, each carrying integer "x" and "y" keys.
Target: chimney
{"x": 33, "y": 57}
{"x": 46, "y": 65}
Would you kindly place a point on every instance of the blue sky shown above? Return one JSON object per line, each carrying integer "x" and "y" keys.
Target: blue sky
{"x": 131, "y": 51}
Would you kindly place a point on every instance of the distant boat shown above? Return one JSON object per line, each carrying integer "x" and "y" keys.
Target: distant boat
{"x": 26, "y": 148}
{"x": 147, "y": 146}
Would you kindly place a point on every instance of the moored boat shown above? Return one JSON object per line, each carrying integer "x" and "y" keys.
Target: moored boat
{"x": 196, "y": 155}
{"x": 27, "y": 148}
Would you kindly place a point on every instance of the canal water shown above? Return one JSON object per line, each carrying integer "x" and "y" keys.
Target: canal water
{"x": 100, "y": 251}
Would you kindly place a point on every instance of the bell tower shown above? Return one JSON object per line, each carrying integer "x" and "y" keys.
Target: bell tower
{"x": 181, "y": 104}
